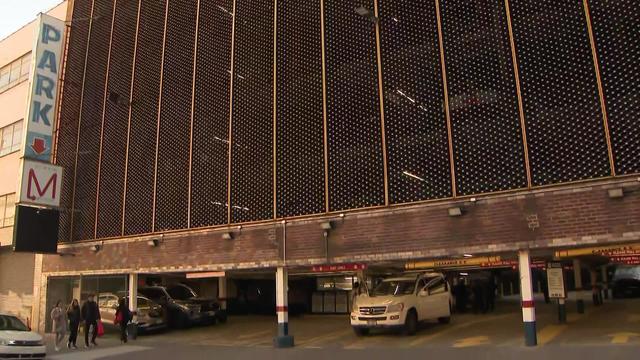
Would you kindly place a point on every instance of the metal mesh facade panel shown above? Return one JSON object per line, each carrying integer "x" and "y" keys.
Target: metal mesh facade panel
{"x": 565, "y": 132}
{"x": 487, "y": 137}
{"x": 356, "y": 176}
{"x": 70, "y": 110}
{"x": 175, "y": 117}
{"x": 252, "y": 127}
{"x": 211, "y": 115}
{"x": 300, "y": 129}
{"x": 115, "y": 123}
{"x": 616, "y": 25}
{"x": 91, "y": 121}
{"x": 144, "y": 115}
{"x": 416, "y": 127}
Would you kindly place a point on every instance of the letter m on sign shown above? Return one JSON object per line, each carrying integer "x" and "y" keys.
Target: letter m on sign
{"x": 33, "y": 182}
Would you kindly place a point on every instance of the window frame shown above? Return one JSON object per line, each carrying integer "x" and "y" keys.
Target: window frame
{"x": 20, "y": 76}
{"x": 15, "y": 142}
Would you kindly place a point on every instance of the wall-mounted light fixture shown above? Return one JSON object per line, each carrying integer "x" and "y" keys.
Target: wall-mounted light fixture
{"x": 616, "y": 193}
{"x": 326, "y": 225}
{"x": 227, "y": 235}
{"x": 455, "y": 211}
{"x": 95, "y": 248}
{"x": 153, "y": 242}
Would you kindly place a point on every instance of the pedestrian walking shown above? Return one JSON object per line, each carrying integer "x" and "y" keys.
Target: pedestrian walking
{"x": 73, "y": 314}
{"x": 59, "y": 323}
{"x": 91, "y": 315}
{"x": 123, "y": 316}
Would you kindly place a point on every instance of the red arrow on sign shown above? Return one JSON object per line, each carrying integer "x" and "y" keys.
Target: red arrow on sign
{"x": 39, "y": 146}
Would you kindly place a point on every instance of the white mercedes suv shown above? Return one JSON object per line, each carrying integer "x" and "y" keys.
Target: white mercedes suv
{"x": 402, "y": 302}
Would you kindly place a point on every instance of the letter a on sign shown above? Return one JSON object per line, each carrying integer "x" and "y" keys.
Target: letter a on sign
{"x": 41, "y": 184}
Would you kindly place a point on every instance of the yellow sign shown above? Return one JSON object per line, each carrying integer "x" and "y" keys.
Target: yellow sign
{"x": 472, "y": 261}
{"x": 614, "y": 250}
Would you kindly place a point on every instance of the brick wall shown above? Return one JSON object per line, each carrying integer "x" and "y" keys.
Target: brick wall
{"x": 564, "y": 216}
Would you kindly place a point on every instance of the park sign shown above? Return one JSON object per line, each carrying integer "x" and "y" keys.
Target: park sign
{"x": 43, "y": 88}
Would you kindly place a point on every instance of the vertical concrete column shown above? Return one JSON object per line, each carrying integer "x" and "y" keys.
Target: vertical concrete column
{"x": 605, "y": 282}
{"x": 577, "y": 274}
{"x": 222, "y": 292}
{"x": 283, "y": 339}
{"x": 526, "y": 293}
{"x": 133, "y": 294}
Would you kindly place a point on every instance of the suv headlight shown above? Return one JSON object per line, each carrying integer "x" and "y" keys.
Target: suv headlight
{"x": 395, "y": 307}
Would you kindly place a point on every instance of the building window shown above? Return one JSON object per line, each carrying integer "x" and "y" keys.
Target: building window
{"x": 15, "y": 72}
{"x": 7, "y": 209}
{"x": 11, "y": 138}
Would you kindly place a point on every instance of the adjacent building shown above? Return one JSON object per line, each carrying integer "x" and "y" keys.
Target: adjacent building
{"x": 16, "y": 67}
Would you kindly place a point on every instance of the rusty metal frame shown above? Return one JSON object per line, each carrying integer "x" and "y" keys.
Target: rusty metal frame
{"x": 324, "y": 110}
{"x": 275, "y": 108}
{"x": 193, "y": 103}
{"x": 446, "y": 99}
{"x": 603, "y": 105}
{"x": 230, "y": 139}
{"x": 381, "y": 100}
{"x": 104, "y": 110}
{"x": 75, "y": 166}
{"x": 126, "y": 156}
{"x": 155, "y": 166}
{"x": 516, "y": 72}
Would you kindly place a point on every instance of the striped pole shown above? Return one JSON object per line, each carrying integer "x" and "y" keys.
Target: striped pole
{"x": 528, "y": 306}
{"x": 283, "y": 339}
{"x": 222, "y": 292}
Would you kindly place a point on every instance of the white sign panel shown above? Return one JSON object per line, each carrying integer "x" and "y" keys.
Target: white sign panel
{"x": 555, "y": 281}
{"x": 43, "y": 92}
{"x": 40, "y": 183}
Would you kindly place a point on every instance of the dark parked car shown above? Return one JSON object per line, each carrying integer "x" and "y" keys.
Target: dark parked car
{"x": 208, "y": 307}
{"x": 182, "y": 311}
{"x": 626, "y": 282}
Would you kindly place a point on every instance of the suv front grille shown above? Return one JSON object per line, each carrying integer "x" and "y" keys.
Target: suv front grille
{"x": 372, "y": 310}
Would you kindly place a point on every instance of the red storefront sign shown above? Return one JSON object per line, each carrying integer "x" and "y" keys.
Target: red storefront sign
{"x": 338, "y": 267}
{"x": 627, "y": 260}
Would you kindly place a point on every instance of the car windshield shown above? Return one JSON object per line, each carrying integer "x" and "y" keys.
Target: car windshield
{"x": 152, "y": 293}
{"x": 181, "y": 292}
{"x": 12, "y": 323}
{"x": 394, "y": 287}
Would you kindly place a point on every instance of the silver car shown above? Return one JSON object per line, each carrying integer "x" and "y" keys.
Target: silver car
{"x": 150, "y": 315}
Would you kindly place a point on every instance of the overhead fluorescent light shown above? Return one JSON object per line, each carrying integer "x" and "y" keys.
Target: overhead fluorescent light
{"x": 406, "y": 173}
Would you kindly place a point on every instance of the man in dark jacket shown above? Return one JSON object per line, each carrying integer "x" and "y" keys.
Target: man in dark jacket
{"x": 90, "y": 315}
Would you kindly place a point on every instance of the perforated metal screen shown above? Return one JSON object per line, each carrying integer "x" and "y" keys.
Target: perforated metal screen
{"x": 91, "y": 121}
{"x": 144, "y": 115}
{"x": 565, "y": 130}
{"x": 300, "y": 129}
{"x": 487, "y": 137}
{"x": 115, "y": 122}
{"x": 211, "y": 115}
{"x": 70, "y": 110}
{"x": 616, "y": 25}
{"x": 356, "y": 176}
{"x": 172, "y": 184}
{"x": 416, "y": 128}
{"x": 252, "y": 124}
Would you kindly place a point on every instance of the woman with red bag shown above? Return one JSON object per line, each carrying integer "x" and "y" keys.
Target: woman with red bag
{"x": 123, "y": 316}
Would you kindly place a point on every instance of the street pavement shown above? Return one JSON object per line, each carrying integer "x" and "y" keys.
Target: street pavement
{"x": 611, "y": 331}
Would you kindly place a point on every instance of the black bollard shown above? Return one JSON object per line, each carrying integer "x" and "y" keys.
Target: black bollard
{"x": 580, "y": 304}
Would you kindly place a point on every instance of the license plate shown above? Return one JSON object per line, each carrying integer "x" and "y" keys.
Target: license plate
{"x": 371, "y": 322}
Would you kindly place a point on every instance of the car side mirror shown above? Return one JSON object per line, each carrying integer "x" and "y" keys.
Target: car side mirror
{"x": 423, "y": 293}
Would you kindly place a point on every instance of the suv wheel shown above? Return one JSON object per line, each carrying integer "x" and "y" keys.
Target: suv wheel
{"x": 411, "y": 323}
{"x": 360, "y": 331}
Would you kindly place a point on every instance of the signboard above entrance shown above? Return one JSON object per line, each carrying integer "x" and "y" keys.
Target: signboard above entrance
{"x": 452, "y": 262}
{"x": 338, "y": 267}
{"x": 43, "y": 92}
{"x": 613, "y": 250}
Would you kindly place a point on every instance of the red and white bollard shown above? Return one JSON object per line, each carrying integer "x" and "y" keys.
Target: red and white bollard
{"x": 528, "y": 304}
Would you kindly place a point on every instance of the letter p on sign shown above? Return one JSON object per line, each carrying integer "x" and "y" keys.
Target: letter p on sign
{"x": 41, "y": 183}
